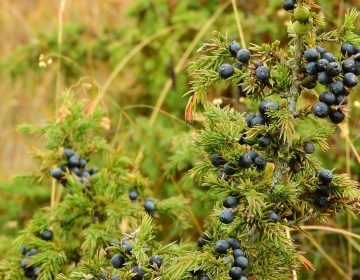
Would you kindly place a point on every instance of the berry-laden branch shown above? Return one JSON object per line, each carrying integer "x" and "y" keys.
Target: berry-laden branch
{"x": 260, "y": 204}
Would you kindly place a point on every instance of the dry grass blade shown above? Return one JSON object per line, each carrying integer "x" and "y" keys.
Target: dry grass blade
{"x": 238, "y": 23}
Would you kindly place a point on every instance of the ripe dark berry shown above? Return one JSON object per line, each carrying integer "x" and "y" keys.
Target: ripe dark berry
{"x": 289, "y": 5}
{"x": 23, "y": 250}
{"x": 115, "y": 277}
{"x": 336, "y": 116}
{"x": 264, "y": 141}
{"x": 257, "y": 121}
{"x": 324, "y": 190}
{"x": 337, "y": 87}
{"x": 329, "y": 57}
{"x": 68, "y": 153}
{"x": 226, "y": 216}
{"x": 357, "y": 67}
{"x": 243, "y": 278}
{"x": 133, "y": 195}
{"x": 93, "y": 170}
{"x": 222, "y": 246}
{"x": 230, "y": 202}
{"x": 323, "y": 78}
{"x": 46, "y": 235}
{"x": 201, "y": 241}
{"x": 139, "y": 273}
{"x": 258, "y": 63}
{"x": 226, "y": 70}
{"x": 302, "y": 14}
{"x": 32, "y": 252}
{"x": 56, "y": 173}
{"x": 76, "y": 171}
{"x": 229, "y": 168}
{"x": 262, "y": 73}
{"x": 117, "y": 261}
{"x": 321, "y": 64}
{"x": 237, "y": 253}
{"x": 311, "y": 68}
{"x": 333, "y": 69}
{"x": 311, "y": 54}
{"x": 23, "y": 263}
{"x": 325, "y": 176}
{"x": 321, "y": 50}
{"x": 74, "y": 161}
{"x": 82, "y": 163}
{"x": 217, "y": 160}
{"x": 252, "y": 154}
{"x": 328, "y": 98}
{"x": 348, "y": 49}
{"x": 102, "y": 275}
{"x": 267, "y": 105}
{"x": 234, "y": 47}
{"x": 350, "y": 80}
{"x": 238, "y": 65}
{"x": 321, "y": 110}
{"x": 260, "y": 163}
{"x": 149, "y": 205}
{"x": 242, "y": 262}
{"x": 245, "y": 161}
{"x": 341, "y": 99}
{"x": 234, "y": 243}
{"x": 309, "y": 148}
{"x": 273, "y": 217}
{"x": 348, "y": 66}
{"x": 243, "y": 55}
{"x": 204, "y": 277}
{"x": 249, "y": 118}
{"x": 235, "y": 273}
{"x": 321, "y": 201}
{"x": 127, "y": 246}
{"x": 156, "y": 261}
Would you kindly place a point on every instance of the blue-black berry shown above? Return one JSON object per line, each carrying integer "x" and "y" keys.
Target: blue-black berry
{"x": 234, "y": 243}
{"x": 336, "y": 116}
{"x": 139, "y": 273}
{"x": 264, "y": 141}
{"x": 249, "y": 118}
{"x": 260, "y": 163}
{"x": 329, "y": 57}
{"x": 117, "y": 261}
{"x": 348, "y": 66}
{"x": 328, "y": 98}
{"x": 309, "y": 148}
{"x": 258, "y": 121}
{"x": 350, "y": 80}
{"x": 333, "y": 69}
{"x": 237, "y": 253}
{"x": 321, "y": 50}
{"x": 226, "y": 216}
{"x": 252, "y": 154}
{"x": 289, "y": 5}
{"x": 229, "y": 168}
{"x": 325, "y": 176}
{"x": 235, "y": 273}
{"x": 311, "y": 54}
{"x": 203, "y": 277}
{"x": 115, "y": 277}
{"x": 348, "y": 49}
{"x": 68, "y": 153}
{"x": 74, "y": 161}
{"x": 217, "y": 160}
{"x": 230, "y": 202}
{"x": 321, "y": 110}
{"x": 242, "y": 262}
{"x": 262, "y": 73}
{"x": 222, "y": 246}
{"x": 321, "y": 201}
{"x": 234, "y": 47}
{"x": 323, "y": 78}
{"x": 245, "y": 161}
{"x": 311, "y": 68}
{"x": 324, "y": 190}
{"x": 243, "y": 55}
{"x": 133, "y": 195}
{"x": 268, "y": 105}
{"x": 156, "y": 261}
{"x": 337, "y": 87}
{"x": 56, "y": 173}
{"x": 46, "y": 235}
{"x": 126, "y": 245}
{"x": 226, "y": 70}
{"x": 149, "y": 205}
{"x": 273, "y": 217}
{"x": 321, "y": 64}
{"x": 341, "y": 100}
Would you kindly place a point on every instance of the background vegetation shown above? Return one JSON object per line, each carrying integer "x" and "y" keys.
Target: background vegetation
{"x": 130, "y": 58}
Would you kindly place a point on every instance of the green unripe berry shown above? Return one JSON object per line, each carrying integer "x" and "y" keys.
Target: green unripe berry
{"x": 302, "y": 14}
{"x": 301, "y": 28}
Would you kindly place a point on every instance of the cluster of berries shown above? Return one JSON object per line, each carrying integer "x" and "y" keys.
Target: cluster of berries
{"x": 240, "y": 262}
{"x": 324, "y": 190}
{"x": 243, "y": 56}
{"x": 301, "y": 15}
{"x": 75, "y": 165}
{"x": 118, "y": 261}
{"x": 149, "y": 203}
{"x": 30, "y": 271}
{"x": 339, "y": 79}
